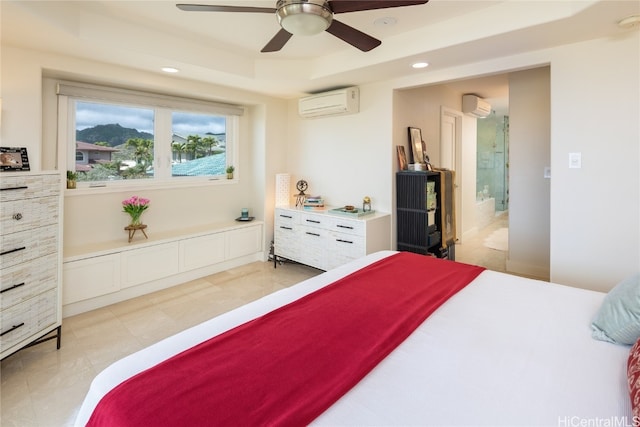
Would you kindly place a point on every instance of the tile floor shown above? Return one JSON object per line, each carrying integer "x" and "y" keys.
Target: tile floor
{"x": 40, "y": 386}
{"x": 473, "y": 251}
{"x": 43, "y": 387}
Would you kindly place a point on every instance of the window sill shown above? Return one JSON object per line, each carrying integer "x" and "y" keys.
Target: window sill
{"x": 84, "y": 189}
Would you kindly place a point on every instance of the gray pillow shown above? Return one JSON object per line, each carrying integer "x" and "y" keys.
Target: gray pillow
{"x": 618, "y": 319}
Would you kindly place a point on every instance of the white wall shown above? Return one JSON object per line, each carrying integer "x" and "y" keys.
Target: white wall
{"x": 344, "y": 158}
{"x": 94, "y": 216}
{"x": 529, "y": 153}
{"x": 595, "y": 210}
{"x": 594, "y": 109}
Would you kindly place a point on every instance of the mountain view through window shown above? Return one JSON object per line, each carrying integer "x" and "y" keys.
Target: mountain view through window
{"x": 118, "y": 142}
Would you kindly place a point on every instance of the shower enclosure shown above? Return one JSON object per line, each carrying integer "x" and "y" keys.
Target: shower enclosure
{"x": 492, "y": 175}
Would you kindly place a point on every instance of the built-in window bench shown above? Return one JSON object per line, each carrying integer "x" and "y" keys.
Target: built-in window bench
{"x": 97, "y": 275}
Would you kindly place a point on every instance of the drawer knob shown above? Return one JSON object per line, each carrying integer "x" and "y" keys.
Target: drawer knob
{"x": 17, "y": 216}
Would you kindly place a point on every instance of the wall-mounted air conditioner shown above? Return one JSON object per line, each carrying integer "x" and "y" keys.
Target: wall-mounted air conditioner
{"x": 341, "y": 101}
{"x": 475, "y": 106}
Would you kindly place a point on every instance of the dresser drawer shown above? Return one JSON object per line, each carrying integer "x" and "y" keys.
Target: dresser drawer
{"x": 286, "y": 218}
{"x": 20, "y": 215}
{"x": 348, "y": 244}
{"x": 16, "y": 248}
{"x": 319, "y": 220}
{"x": 28, "y": 318}
{"x": 23, "y": 281}
{"x": 349, "y": 226}
{"x": 29, "y": 186}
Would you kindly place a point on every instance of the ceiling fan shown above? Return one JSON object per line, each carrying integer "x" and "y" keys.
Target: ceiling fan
{"x": 309, "y": 17}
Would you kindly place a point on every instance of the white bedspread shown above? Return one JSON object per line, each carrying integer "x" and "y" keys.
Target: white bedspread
{"x": 504, "y": 351}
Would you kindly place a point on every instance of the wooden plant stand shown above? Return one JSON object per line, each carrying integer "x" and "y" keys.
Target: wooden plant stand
{"x": 133, "y": 228}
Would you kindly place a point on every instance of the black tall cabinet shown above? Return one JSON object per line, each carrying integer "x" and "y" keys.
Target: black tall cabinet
{"x": 425, "y": 213}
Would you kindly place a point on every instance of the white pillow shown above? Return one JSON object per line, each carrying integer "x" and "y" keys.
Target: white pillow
{"x": 618, "y": 319}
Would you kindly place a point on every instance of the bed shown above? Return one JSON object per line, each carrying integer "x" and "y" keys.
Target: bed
{"x": 502, "y": 350}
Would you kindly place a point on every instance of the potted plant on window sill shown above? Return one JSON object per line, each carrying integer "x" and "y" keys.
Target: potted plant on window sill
{"x": 230, "y": 170}
{"x": 72, "y": 177}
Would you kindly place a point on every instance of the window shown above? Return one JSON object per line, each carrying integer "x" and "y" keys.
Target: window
{"x": 198, "y": 144}
{"x": 117, "y": 136}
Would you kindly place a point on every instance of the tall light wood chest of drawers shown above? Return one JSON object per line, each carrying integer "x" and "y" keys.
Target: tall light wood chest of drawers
{"x": 30, "y": 258}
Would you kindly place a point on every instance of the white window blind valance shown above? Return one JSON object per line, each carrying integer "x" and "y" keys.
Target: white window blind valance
{"x": 129, "y": 96}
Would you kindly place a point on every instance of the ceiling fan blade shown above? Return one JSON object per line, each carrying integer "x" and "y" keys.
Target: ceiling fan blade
{"x": 354, "y": 37}
{"x": 342, "y": 6}
{"x": 212, "y": 8}
{"x": 277, "y": 42}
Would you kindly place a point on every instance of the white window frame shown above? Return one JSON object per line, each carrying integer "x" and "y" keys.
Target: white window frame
{"x": 163, "y": 105}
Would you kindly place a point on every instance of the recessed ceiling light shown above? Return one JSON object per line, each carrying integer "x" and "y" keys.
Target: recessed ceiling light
{"x": 170, "y": 70}
{"x": 630, "y": 22}
{"x": 385, "y": 22}
{"x": 420, "y": 65}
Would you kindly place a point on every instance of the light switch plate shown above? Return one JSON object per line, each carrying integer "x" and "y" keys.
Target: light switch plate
{"x": 575, "y": 160}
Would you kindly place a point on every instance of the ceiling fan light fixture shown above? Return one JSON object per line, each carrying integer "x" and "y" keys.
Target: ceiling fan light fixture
{"x": 303, "y": 18}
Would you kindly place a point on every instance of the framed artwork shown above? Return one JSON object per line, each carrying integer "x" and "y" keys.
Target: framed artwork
{"x": 402, "y": 158}
{"x": 415, "y": 142}
{"x": 14, "y": 159}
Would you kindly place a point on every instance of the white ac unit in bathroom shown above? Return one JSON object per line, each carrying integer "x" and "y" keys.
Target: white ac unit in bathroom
{"x": 475, "y": 106}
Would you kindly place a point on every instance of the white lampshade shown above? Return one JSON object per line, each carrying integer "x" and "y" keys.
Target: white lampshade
{"x": 283, "y": 189}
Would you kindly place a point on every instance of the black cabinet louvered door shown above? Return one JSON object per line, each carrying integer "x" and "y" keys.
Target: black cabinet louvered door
{"x": 418, "y": 213}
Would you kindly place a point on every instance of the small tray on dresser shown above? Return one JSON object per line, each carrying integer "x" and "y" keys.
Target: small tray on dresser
{"x": 354, "y": 213}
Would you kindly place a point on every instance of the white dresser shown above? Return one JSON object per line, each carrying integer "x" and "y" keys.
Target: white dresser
{"x": 324, "y": 240}
{"x": 30, "y": 258}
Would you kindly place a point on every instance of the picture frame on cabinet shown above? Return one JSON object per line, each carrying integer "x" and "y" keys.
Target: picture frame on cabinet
{"x": 402, "y": 158}
{"x": 14, "y": 159}
{"x": 415, "y": 140}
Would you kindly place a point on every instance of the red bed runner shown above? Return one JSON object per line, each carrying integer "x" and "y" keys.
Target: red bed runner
{"x": 290, "y": 365}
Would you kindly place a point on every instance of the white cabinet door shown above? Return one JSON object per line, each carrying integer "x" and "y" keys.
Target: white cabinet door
{"x": 150, "y": 263}
{"x": 244, "y": 241}
{"x": 201, "y": 251}
{"x": 90, "y": 278}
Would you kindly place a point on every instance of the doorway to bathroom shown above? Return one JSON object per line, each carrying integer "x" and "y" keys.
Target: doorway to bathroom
{"x": 492, "y": 181}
